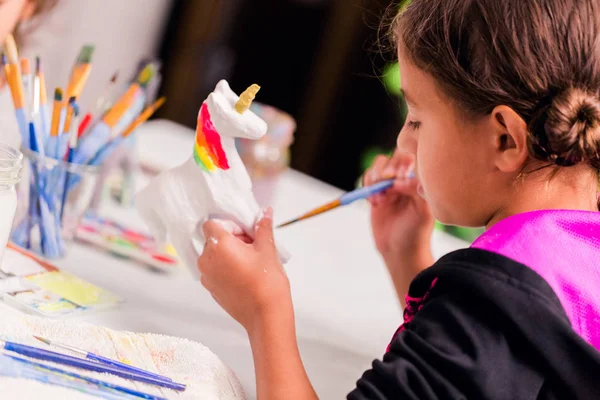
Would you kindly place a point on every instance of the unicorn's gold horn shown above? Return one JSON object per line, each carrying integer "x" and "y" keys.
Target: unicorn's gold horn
{"x": 246, "y": 98}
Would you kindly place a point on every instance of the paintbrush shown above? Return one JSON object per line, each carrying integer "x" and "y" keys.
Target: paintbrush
{"x": 41, "y": 95}
{"x": 113, "y": 144}
{"x": 350, "y": 197}
{"x": 10, "y": 48}
{"x": 52, "y": 356}
{"x": 103, "y": 101}
{"x": 72, "y": 145}
{"x": 127, "y": 99}
{"x": 102, "y": 104}
{"x": 52, "y": 143}
{"x": 63, "y": 139}
{"x": 144, "y": 116}
{"x": 15, "y": 83}
{"x": 26, "y": 78}
{"x": 109, "y": 147}
{"x": 55, "y": 376}
{"x": 101, "y": 132}
{"x": 40, "y": 203}
{"x": 104, "y": 360}
{"x": 80, "y": 72}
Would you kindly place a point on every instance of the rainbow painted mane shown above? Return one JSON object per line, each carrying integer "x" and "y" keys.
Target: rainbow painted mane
{"x": 208, "y": 151}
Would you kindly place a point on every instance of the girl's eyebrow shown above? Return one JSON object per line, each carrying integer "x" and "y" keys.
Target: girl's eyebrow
{"x": 407, "y": 97}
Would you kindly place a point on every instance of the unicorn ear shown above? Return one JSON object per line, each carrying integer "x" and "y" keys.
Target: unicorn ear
{"x": 224, "y": 90}
{"x": 222, "y": 86}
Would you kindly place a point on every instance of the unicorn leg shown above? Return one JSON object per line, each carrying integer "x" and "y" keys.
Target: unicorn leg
{"x": 187, "y": 252}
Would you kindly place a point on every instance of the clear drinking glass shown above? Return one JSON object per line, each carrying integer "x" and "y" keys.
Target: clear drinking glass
{"x": 267, "y": 158}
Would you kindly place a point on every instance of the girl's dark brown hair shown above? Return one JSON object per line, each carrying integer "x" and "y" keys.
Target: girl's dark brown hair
{"x": 539, "y": 57}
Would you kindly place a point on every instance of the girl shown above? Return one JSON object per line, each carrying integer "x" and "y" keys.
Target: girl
{"x": 12, "y": 14}
{"x": 503, "y": 131}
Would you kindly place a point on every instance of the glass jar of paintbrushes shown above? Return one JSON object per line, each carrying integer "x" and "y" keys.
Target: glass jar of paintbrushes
{"x": 53, "y": 195}
{"x": 63, "y": 153}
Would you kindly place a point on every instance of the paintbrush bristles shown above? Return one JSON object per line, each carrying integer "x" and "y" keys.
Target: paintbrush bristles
{"x": 312, "y": 213}
{"x": 85, "y": 54}
{"x": 246, "y": 98}
{"x": 146, "y": 75}
{"x": 287, "y": 223}
{"x": 41, "y": 339}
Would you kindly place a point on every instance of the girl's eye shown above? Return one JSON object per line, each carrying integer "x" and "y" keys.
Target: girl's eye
{"x": 413, "y": 124}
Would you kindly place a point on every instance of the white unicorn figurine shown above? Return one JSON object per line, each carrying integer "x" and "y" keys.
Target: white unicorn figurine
{"x": 213, "y": 183}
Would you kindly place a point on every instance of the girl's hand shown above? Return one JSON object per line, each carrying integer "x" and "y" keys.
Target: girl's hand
{"x": 245, "y": 277}
{"x": 401, "y": 219}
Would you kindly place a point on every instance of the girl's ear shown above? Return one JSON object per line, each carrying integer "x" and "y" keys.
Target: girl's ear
{"x": 510, "y": 139}
{"x": 28, "y": 10}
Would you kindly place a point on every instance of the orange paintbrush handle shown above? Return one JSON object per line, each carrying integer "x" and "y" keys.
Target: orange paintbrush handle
{"x": 13, "y": 76}
{"x": 312, "y": 213}
{"x": 56, "y": 110}
{"x": 68, "y": 119}
{"x": 143, "y": 117}
{"x": 116, "y": 112}
{"x": 79, "y": 77}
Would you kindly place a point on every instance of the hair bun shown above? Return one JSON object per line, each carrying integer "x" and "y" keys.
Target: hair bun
{"x": 567, "y": 131}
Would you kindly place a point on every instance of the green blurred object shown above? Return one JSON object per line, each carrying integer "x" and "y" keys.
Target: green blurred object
{"x": 369, "y": 156}
{"x": 404, "y": 4}
{"x": 391, "y": 79}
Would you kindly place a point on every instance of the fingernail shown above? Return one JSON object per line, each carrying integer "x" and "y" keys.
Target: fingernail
{"x": 389, "y": 173}
{"x": 374, "y": 176}
{"x": 266, "y": 212}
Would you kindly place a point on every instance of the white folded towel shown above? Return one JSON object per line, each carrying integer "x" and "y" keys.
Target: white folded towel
{"x": 182, "y": 360}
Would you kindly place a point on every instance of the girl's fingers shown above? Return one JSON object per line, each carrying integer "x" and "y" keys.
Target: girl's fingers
{"x": 400, "y": 165}
{"x": 403, "y": 188}
{"x": 373, "y": 174}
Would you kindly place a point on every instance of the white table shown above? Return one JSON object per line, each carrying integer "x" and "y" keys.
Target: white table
{"x": 346, "y": 309}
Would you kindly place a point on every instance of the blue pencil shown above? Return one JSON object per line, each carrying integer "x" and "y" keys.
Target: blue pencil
{"x": 103, "y": 384}
{"x": 41, "y": 354}
{"x": 350, "y": 197}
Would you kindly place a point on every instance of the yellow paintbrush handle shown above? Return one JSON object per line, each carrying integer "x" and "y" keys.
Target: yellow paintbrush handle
{"x": 143, "y": 117}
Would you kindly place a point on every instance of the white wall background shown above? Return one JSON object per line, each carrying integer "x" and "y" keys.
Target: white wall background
{"x": 123, "y": 31}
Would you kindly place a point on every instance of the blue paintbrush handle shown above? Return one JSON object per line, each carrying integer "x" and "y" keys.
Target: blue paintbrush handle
{"x": 23, "y": 126}
{"x": 97, "y": 382}
{"x": 368, "y": 191}
{"x": 64, "y": 359}
{"x": 126, "y": 367}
